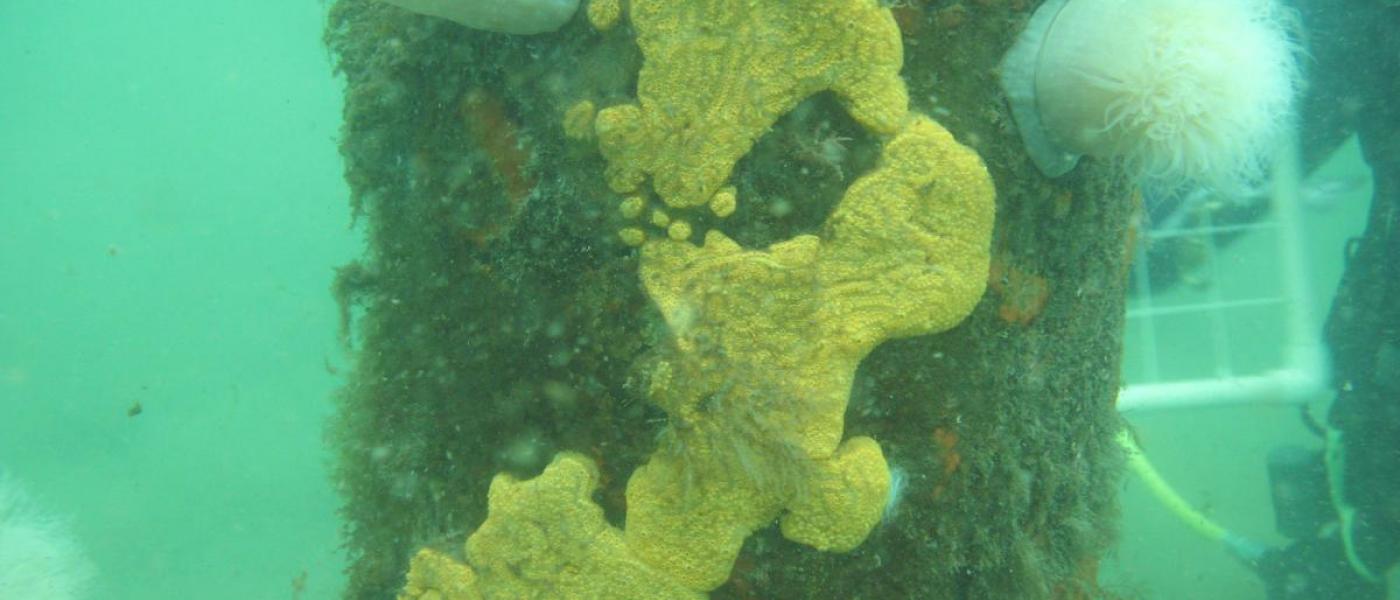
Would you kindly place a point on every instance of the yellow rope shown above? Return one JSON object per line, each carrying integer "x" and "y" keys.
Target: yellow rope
{"x": 1159, "y": 487}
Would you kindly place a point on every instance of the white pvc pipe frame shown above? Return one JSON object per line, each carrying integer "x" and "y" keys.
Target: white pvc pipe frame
{"x": 1306, "y": 373}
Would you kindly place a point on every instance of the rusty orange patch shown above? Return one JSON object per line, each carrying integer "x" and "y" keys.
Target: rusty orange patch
{"x": 950, "y": 459}
{"x": 493, "y": 131}
{"x": 1023, "y": 294}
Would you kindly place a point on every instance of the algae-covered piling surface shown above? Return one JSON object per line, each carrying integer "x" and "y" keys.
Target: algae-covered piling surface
{"x": 497, "y": 318}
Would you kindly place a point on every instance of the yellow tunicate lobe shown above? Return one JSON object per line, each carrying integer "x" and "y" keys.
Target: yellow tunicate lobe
{"x": 632, "y": 236}
{"x": 724, "y": 202}
{"x": 678, "y": 231}
{"x": 632, "y": 207}
{"x": 543, "y": 538}
{"x": 659, "y": 218}
{"x": 578, "y": 120}
{"x": 766, "y": 347}
{"x": 433, "y": 575}
{"x": 719, "y": 73}
{"x": 603, "y": 14}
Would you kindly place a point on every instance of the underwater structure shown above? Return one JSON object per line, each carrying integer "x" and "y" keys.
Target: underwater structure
{"x": 711, "y": 298}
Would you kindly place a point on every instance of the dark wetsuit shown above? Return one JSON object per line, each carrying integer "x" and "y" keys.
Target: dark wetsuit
{"x": 1354, "y": 87}
{"x": 1353, "y": 71}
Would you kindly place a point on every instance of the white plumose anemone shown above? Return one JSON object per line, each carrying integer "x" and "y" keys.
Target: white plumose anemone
{"x": 1194, "y": 91}
{"x": 39, "y": 558}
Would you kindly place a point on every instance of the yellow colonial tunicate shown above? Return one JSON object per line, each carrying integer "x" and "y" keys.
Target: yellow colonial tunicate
{"x": 763, "y": 343}
{"x": 632, "y": 236}
{"x": 433, "y": 575}
{"x": 766, "y": 345}
{"x": 632, "y": 207}
{"x": 603, "y": 14}
{"x": 719, "y": 73}
{"x": 679, "y": 231}
{"x": 724, "y": 202}
{"x": 543, "y": 538}
{"x": 578, "y": 120}
{"x": 659, "y": 218}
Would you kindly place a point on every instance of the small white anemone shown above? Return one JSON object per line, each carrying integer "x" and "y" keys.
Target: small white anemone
{"x": 506, "y": 16}
{"x": 1180, "y": 91}
{"x": 898, "y": 480}
{"x": 39, "y": 557}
